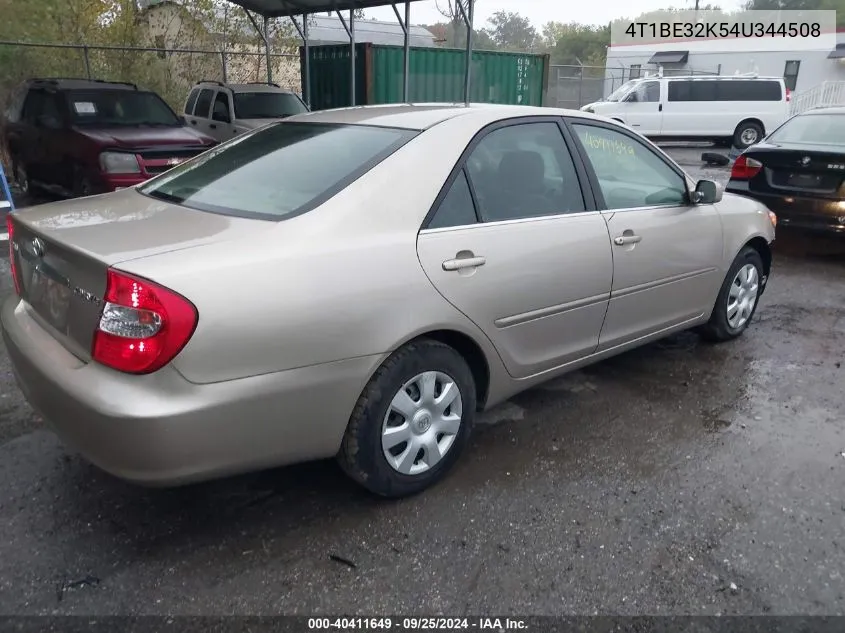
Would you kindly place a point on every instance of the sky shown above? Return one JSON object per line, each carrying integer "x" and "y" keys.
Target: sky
{"x": 541, "y": 11}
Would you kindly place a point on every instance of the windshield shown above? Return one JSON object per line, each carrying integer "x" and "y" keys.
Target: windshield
{"x": 277, "y": 171}
{"x": 821, "y": 129}
{"x": 617, "y": 94}
{"x": 119, "y": 107}
{"x": 267, "y": 105}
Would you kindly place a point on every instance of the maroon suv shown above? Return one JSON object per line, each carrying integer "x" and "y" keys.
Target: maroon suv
{"x": 76, "y": 137}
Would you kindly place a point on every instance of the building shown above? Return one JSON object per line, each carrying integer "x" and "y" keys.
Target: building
{"x": 804, "y": 64}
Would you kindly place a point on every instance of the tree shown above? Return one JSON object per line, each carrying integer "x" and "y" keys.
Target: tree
{"x": 511, "y": 31}
{"x": 800, "y": 5}
{"x": 577, "y": 44}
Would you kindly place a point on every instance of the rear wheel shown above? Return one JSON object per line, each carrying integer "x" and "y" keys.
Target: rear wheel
{"x": 412, "y": 421}
{"x": 738, "y": 297}
{"x": 747, "y": 134}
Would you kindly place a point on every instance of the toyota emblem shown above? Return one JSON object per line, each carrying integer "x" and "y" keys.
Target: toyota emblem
{"x": 37, "y": 247}
{"x": 841, "y": 219}
{"x": 805, "y": 161}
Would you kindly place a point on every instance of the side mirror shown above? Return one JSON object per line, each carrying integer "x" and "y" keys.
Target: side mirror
{"x": 707, "y": 192}
{"x": 182, "y": 119}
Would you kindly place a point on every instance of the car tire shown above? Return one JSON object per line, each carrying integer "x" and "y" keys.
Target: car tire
{"x": 22, "y": 179}
{"x": 364, "y": 450}
{"x": 747, "y": 134}
{"x": 743, "y": 295}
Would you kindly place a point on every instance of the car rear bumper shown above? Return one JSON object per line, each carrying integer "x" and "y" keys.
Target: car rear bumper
{"x": 802, "y": 213}
{"x": 162, "y": 430}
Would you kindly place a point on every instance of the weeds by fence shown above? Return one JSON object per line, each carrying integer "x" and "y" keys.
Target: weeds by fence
{"x": 169, "y": 72}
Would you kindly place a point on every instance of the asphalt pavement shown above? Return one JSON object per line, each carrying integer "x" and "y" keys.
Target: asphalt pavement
{"x": 680, "y": 478}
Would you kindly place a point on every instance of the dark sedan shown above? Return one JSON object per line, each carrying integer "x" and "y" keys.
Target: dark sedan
{"x": 798, "y": 171}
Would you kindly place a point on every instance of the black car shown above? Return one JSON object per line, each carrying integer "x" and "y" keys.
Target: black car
{"x": 798, "y": 171}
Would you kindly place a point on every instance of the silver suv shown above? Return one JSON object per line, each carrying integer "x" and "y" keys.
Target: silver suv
{"x": 226, "y": 110}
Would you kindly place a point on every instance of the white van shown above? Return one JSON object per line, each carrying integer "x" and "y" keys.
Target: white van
{"x": 738, "y": 109}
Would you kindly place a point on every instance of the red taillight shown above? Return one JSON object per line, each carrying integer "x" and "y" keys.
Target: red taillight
{"x": 788, "y": 95}
{"x": 13, "y": 266}
{"x": 745, "y": 168}
{"x": 143, "y": 326}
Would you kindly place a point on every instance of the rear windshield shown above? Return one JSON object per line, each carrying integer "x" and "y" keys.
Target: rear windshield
{"x": 277, "y": 171}
{"x": 267, "y": 105}
{"x": 821, "y": 129}
{"x": 109, "y": 108}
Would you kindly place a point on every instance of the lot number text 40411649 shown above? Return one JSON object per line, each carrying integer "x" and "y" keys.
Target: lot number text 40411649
{"x": 416, "y": 624}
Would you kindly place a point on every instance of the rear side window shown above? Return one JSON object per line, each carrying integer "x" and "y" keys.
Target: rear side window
{"x": 725, "y": 90}
{"x": 192, "y": 101}
{"x": 203, "y": 105}
{"x": 280, "y": 171}
{"x": 457, "y": 208}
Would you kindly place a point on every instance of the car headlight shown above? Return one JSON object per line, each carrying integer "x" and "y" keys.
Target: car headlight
{"x": 773, "y": 218}
{"x": 119, "y": 163}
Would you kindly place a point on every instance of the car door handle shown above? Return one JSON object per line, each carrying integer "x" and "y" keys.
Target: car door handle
{"x": 213, "y": 126}
{"x": 622, "y": 240}
{"x": 193, "y": 122}
{"x": 464, "y": 262}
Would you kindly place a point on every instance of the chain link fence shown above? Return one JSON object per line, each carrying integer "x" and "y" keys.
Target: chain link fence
{"x": 169, "y": 72}
{"x": 575, "y": 86}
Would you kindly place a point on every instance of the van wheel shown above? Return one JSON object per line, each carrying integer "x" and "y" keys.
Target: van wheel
{"x": 411, "y": 422}
{"x": 747, "y": 134}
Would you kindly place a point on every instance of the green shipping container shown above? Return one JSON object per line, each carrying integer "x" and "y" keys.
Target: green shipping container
{"x": 437, "y": 75}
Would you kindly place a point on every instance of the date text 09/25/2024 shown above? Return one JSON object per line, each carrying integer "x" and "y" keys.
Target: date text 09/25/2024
{"x": 416, "y": 624}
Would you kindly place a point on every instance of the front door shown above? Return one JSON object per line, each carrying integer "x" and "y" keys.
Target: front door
{"x": 666, "y": 251}
{"x": 515, "y": 246}
{"x": 643, "y": 108}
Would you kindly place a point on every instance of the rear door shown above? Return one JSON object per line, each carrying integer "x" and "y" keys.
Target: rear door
{"x": 516, "y": 245}
{"x": 666, "y": 252}
{"x": 191, "y": 102}
{"x": 220, "y": 126}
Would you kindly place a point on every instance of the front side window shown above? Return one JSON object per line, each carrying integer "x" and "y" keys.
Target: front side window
{"x": 110, "y": 108}
{"x": 267, "y": 105}
{"x": 204, "y": 103}
{"x": 630, "y": 175}
{"x": 192, "y": 101}
{"x": 221, "y": 108}
{"x": 648, "y": 92}
{"x": 277, "y": 171}
{"x": 523, "y": 171}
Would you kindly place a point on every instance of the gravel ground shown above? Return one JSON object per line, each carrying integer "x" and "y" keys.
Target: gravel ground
{"x": 681, "y": 478}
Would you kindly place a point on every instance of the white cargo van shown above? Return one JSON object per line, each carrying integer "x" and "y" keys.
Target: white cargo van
{"x": 738, "y": 109}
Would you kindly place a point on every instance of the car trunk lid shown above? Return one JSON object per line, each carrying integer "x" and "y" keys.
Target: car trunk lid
{"x": 61, "y": 253}
{"x": 798, "y": 169}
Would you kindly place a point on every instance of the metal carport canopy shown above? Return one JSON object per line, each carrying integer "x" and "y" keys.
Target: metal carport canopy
{"x": 303, "y": 8}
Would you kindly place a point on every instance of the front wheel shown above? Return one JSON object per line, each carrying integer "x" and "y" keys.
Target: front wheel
{"x": 738, "y": 297}
{"x": 412, "y": 421}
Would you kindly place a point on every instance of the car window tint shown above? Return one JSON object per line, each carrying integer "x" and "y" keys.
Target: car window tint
{"x": 204, "y": 103}
{"x": 457, "y": 208}
{"x": 278, "y": 171}
{"x": 630, "y": 175}
{"x": 34, "y": 105}
{"x": 648, "y": 92}
{"x": 523, "y": 171}
{"x": 221, "y": 107}
{"x": 192, "y": 101}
